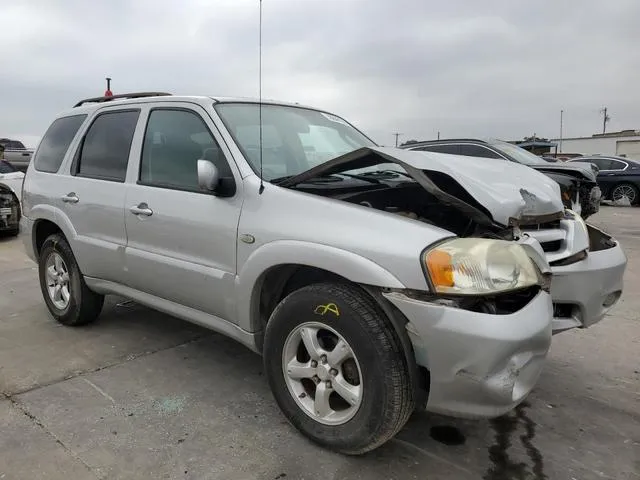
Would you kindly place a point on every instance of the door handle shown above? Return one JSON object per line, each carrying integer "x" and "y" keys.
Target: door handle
{"x": 141, "y": 209}
{"x": 70, "y": 197}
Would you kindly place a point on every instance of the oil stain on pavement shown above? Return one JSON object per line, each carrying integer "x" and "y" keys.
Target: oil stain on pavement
{"x": 503, "y": 466}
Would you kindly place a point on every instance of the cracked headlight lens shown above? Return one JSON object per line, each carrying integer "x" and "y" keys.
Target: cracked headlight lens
{"x": 479, "y": 266}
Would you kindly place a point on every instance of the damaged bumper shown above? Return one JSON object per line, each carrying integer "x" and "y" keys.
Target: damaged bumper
{"x": 480, "y": 365}
{"x": 585, "y": 291}
{"x": 588, "y": 268}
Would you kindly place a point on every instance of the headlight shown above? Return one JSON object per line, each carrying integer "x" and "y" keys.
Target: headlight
{"x": 479, "y": 266}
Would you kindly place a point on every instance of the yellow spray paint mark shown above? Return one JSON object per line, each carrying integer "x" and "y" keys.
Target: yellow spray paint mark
{"x": 329, "y": 307}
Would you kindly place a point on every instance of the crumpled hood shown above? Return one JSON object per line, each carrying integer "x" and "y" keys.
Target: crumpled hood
{"x": 13, "y": 181}
{"x": 511, "y": 193}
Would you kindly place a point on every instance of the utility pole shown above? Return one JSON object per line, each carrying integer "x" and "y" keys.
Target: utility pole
{"x": 397, "y": 135}
{"x": 438, "y": 134}
{"x": 605, "y": 119}
{"x": 561, "y": 113}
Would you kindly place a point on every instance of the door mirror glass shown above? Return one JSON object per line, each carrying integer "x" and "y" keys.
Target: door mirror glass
{"x": 208, "y": 176}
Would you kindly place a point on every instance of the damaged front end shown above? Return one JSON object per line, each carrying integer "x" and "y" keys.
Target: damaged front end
{"x": 466, "y": 198}
{"x": 499, "y": 200}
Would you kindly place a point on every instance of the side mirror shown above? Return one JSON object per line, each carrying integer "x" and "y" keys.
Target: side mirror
{"x": 208, "y": 176}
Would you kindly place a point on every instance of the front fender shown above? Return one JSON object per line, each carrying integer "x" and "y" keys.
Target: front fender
{"x": 347, "y": 264}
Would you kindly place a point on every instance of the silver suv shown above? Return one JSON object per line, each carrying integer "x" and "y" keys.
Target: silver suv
{"x": 372, "y": 280}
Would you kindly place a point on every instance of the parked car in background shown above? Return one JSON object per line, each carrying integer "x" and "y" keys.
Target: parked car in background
{"x": 578, "y": 186}
{"x": 370, "y": 279}
{"x": 16, "y": 153}
{"x": 10, "y": 194}
{"x": 618, "y": 177}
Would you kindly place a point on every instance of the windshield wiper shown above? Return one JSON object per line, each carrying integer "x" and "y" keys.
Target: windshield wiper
{"x": 334, "y": 177}
{"x": 362, "y": 177}
{"x": 386, "y": 174}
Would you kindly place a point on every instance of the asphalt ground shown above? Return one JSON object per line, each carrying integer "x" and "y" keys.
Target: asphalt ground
{"x": 143, "y": 395}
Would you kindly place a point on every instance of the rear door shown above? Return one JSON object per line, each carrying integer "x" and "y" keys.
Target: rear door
{"x": 92, "y": 196}
{"x": 182, "y": 241}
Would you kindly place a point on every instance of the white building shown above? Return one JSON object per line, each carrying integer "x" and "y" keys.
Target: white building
{"x": 624, "y": 143}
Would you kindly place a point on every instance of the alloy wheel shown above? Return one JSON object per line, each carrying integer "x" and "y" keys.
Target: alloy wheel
{"x": 322, "y": 373}
{"x": 58, "y": 285}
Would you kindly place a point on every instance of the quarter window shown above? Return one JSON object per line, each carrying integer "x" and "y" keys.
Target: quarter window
{"x": 105, "y": 149}
{"x": 55, "y": 143}
{"x": 174, "y": 141}
{"x": 616, "y": 165}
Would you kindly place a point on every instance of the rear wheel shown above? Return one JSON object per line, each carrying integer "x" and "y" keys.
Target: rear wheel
{"x": 65, "y": 292}
{"x": 336, "y": 368}
{"x": 625, "y": 192}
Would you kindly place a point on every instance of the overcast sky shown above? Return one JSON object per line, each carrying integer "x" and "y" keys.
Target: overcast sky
{"x": 475, "y": 68}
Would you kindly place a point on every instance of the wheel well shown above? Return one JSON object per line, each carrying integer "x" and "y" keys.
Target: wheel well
{"x": 280, "y": 281}
{"x": 42, "y": 230}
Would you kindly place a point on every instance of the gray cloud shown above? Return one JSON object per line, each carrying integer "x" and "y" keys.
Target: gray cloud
{"x": 491, "y": 68}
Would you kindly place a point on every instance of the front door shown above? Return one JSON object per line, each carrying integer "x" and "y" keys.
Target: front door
{"x": 181, "y": 241}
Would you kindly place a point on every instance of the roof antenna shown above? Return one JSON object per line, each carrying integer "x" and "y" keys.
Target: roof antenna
{"x": 261, "y": 189}
{"x": 107, "y": 92}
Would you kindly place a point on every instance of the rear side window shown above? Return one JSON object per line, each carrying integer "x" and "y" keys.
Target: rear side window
{"x": 601, "y": 163}
{"x": 105, "y": 149}
{"x": 477, "y": 151}
{"x": 449, "y": 148}
{"x": 55, "y": 143}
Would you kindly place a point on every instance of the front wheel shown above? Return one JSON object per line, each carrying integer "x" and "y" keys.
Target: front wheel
{"x": 336, "y": 368}
{"x": 65, "y": 292}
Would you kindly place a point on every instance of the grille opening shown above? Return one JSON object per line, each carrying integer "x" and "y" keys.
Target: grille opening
{"x": 563, "y": 310}
{"x": 552, "y": 246}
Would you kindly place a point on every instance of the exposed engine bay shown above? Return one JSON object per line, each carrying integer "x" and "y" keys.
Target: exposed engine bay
{"x": 402, "y": 196}
{"x": 450, "y": 193}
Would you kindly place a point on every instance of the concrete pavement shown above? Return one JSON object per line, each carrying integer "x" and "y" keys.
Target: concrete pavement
{"x": 143, "y": 395}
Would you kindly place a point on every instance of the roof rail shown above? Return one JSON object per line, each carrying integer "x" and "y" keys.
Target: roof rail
{"x": 120, "y": 96}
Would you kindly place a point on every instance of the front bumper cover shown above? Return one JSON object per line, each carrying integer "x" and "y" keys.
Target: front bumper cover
{"x": 480, "y": 365}
{"x": 585, "y": 291}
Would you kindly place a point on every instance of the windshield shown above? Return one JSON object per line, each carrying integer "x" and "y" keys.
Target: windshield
{"x": 293, "y": 139}
{"x": 520, "y": 155}
{"x": 6, "y": 167}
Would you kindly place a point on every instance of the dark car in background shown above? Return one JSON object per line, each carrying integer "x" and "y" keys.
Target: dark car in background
{"x": 578, "y": 185}
{"x": 10, "y": 191}
{"x": 618, "y": 177}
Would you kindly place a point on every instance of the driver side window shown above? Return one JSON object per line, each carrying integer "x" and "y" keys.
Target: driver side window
{"x": 174, "y": 141}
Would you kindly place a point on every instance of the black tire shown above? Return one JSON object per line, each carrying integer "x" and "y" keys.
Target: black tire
{"x": 636, "y": 200}
{"x": 84, "y": 305}
{"x": 387, "y": 400}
